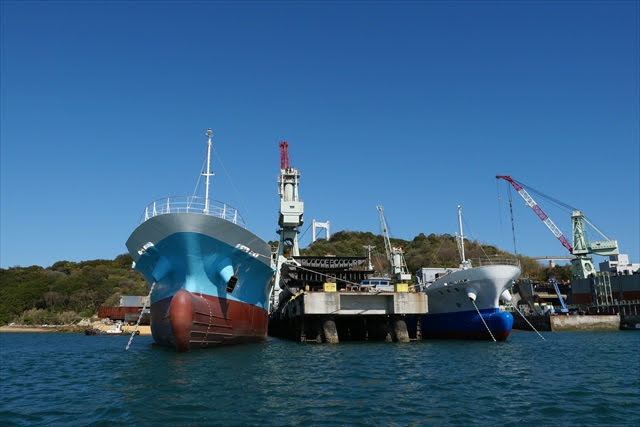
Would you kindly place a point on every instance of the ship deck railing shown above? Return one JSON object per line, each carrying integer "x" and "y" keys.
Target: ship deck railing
{"x": 495, "y": 260}
{"x": 192, "y": 204}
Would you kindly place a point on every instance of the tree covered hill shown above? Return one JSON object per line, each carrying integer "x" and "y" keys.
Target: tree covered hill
{"x": 423, "y": 251}
{"x": 66, "y": 291}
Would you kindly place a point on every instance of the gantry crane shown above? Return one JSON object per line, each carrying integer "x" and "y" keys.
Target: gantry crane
{"x": 582, "y": 264}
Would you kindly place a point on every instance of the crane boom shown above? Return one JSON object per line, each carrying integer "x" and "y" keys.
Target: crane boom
{"x": 385, "y": 236}
{"x": 394, "y": 255}
{"x": 538, "y": 210}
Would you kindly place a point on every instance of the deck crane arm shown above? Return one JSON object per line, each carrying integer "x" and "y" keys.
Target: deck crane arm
{"x": 385, "y": 236}
{"x": 538, "y": 210}
{"x": 394, "y": 255}
{"x": 553, "y": 281}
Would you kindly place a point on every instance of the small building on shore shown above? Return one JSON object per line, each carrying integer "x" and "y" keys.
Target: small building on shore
{"x": 128, "y": 310}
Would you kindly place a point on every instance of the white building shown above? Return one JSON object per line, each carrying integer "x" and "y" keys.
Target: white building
{"x": 619, "y": 264}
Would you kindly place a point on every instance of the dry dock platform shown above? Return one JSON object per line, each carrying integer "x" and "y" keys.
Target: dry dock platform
{"x": 347, "y": 315}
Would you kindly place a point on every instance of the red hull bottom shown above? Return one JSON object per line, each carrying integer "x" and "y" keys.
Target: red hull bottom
{"x": 189, "y": 320}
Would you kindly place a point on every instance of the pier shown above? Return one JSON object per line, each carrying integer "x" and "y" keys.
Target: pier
{"x": 333, "y": 316}
{"x": 323, "y": 301}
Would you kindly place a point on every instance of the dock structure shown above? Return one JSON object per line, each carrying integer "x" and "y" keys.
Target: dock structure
{"x": 323, "y": 301}
{"x": 601, "y": 302}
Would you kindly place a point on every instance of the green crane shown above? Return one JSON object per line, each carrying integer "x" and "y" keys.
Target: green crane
{"x": 582, "y": 265}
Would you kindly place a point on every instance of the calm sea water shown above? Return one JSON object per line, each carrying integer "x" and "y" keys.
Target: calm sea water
{"x": 571, "y": 378}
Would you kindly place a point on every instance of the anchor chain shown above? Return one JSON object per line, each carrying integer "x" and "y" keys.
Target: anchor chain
{"x": 144, "y": 307}
{"x": 482, "y": 318}
{"x": 206, "y": 335}
{"x": 526, "y": 320}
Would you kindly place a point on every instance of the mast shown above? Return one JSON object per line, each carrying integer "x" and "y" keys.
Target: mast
{"x": 369, "y": 248}
{"x": 464, "y": 264}
{"x": 208, "y": 174}
{"x": 461, "y": 235}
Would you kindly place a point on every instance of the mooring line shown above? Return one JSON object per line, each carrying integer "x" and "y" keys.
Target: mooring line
{"x": 144, "y": 307}
{"x": 482, "y": 318}
{"x": 526, "y": 320}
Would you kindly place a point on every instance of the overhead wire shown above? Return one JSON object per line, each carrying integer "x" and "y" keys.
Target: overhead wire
{"x": 513, "y": 222}
{"x": 473, "y": 237}
{"x": 195, "y": 190}
{"x": 560, "y": 204}
{"x": 549, "y": 198}
{"x": 240, "y": 199}
{"x": 305, "y": 232}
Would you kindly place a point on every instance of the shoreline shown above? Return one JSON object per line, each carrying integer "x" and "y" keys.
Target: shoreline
{"x": 40, "y": 329}
{"x": 68, "y": 329}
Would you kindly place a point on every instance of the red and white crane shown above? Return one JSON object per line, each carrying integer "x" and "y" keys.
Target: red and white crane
{"x": 290, "y": 218}
{"x": 538, "y": 210}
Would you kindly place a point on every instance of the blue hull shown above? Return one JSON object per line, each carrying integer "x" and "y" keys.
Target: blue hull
{"x": 467, "y": 324}
{"x": 201, "y": 264}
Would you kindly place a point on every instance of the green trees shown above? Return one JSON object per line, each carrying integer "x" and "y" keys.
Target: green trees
{"x": 65, "y": 291}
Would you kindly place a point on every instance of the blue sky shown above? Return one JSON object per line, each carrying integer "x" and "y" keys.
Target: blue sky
{"x": 412, "y": 105}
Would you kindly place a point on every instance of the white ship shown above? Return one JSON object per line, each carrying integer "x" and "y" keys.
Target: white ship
{"x": 464, "y": 301}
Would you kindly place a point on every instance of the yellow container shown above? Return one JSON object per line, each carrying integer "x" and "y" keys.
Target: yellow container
{"x": 329, "y": 287}
{"x": 401, "y": 287}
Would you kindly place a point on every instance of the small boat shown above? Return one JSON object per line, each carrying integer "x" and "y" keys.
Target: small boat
{"x": 116, "y": 330}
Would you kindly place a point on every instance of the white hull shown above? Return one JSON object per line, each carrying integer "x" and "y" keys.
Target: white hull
{"x": 451, "y": 293}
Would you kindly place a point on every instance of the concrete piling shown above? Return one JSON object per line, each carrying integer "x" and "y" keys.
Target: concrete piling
{"x": 330, "y": 331}
{"x": 400, "y": 330}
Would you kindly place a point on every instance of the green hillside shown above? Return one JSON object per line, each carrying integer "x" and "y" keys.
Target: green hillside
{"x": 66, "y": 291}
{"x": 423, "y": 251}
